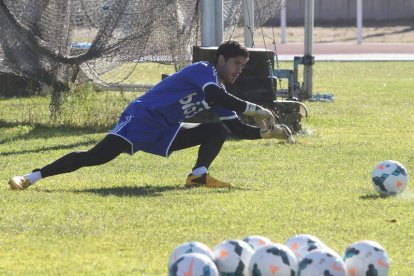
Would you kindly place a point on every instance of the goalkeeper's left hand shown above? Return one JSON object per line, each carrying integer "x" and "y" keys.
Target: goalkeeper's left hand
{"x": 278, "y": 132}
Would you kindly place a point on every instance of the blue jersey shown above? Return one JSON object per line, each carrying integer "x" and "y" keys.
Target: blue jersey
{"x": 151, "y": 122}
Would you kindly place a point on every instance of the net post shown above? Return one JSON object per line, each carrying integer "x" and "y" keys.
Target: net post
{"x": 308, "y": 70}
{"x": 359, "y": 22}
{"x": 207, "y": 23}
{"x": 248, "y": 8}
{"x": 219, "y": 22}
{"x": 283, "y": 25}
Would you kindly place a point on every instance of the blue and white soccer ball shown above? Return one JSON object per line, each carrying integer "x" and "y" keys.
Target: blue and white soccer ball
{"x": 366, "y": 258}
{"x": 257, "y": 241}
{"x": 275, "y": 259}
{"x": 232, "y": 257}
{"x": 190, "y": 247}
{"x": 321, "y": 262}
{"x": 389, "y": 177}
{"x": 302, "y": 244}
{"x": 193, "y": 264}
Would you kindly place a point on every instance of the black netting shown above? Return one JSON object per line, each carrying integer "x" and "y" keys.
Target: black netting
{"x": 50, "y": 41}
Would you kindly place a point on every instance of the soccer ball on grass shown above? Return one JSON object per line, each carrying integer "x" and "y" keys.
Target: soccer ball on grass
{"x": 190, "y": 247}
{"x": 366, "y": 258}
{"x": 232, "y": 257}
{"x": 193, "y": 264}
{"x": 256, "y": 241}
{"x": 321, "y": 262}
{"x": 389, "y": 177}
{"x": 302, "y": 244}
{"x": 275, "y": 259}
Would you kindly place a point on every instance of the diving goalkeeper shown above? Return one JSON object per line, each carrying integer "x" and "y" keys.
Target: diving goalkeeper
{"x": 155, "y": 122}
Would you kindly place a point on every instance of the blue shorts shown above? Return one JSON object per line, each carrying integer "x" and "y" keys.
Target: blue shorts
{"x": 144, "y": 131}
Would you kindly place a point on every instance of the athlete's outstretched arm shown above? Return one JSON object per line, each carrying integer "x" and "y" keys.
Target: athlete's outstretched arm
{"x": 218, "y": 96}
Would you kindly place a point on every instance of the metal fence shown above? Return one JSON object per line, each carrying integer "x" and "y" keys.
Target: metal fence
{"x": 345, "y": 11}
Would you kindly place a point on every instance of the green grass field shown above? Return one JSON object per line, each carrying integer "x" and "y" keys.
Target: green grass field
{"x": 126, "y": 217}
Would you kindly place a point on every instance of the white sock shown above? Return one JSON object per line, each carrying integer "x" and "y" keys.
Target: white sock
{"x": 199, "y": 171}
{"x": 33, "y": 177}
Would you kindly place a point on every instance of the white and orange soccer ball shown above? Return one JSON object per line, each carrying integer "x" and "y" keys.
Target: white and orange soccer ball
{"x": 256, "y": 241}
{"x": 193, "y": 264}
{"x": 302, "y": 244}
{"x": 275, "y": 259}
{"x": 322, "y": 262}
{"x": 190, "y": 247}
{"x": 389, "y": 177}
{"x": 366, "y": 258}
{"x": 232, "y": 257}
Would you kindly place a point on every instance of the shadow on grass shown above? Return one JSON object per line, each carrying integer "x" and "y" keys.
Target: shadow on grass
{"x": 150, "y": 191}
{"x": 42, "y": 131}
{"x": 46, "y": 131}
{"x": 372, "y": 197}
{"x": 144, "y": 191}
{"x": 43, "y": 149}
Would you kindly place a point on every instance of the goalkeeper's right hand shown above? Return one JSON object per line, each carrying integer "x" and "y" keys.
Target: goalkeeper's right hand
{"x": 278, "y": 132}
{"x": 258, "y": 112}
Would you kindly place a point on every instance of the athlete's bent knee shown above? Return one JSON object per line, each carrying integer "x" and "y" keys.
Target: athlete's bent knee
{"x": 218, "y": 130}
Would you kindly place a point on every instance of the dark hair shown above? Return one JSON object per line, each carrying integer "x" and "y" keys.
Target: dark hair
{"x": 230, "y": 49}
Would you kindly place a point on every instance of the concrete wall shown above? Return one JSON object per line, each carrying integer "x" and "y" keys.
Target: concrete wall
{"x": 344, "y": 11}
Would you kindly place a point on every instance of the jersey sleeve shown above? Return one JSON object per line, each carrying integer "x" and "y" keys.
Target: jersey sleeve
{"x": 224, "y": 114}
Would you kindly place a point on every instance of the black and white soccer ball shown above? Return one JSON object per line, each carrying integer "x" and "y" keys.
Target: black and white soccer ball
{"x": 366, "y": 258}
{"x": 389, "y": 177}
{"x": 232, "y": 257}
{"x": 302, "y": 244}
{"x": 275, "y": 259}
{"x": 322, "y": 262}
